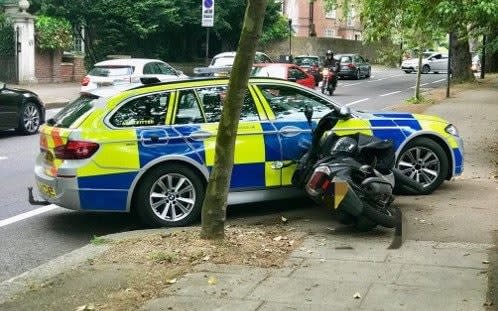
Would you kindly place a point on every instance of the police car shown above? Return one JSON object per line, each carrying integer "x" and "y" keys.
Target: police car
{"x": 150, "y": 149}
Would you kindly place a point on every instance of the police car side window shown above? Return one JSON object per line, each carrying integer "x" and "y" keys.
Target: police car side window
{"x": 288, "y": 103}
{"x": 212, "y": 99}
{"x": 188, "y": 108}
{"x": 148, "y": 110}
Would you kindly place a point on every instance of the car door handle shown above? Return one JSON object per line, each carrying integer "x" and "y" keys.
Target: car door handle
{"x": 200, "y": 135}
{"x": 290, "y": 131}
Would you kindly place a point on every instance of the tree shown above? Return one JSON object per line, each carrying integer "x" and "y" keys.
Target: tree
{"x": 215, "y": 202}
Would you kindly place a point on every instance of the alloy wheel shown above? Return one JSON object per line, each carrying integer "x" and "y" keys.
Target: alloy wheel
{"x": 420, "y": 164}
{"x": 172, "y": 197}
{"x": 31, "y": 118}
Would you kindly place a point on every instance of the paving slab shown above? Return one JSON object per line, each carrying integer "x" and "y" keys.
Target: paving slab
{"x": 397, "y": 297}
{"x": 296, "y": 291}
{"x": 183, "y": 303}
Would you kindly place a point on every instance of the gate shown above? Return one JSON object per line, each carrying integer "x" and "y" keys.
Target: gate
{"x": 8, "y": 52}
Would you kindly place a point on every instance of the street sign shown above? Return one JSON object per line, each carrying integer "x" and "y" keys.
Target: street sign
{"x": 207, "y": 13}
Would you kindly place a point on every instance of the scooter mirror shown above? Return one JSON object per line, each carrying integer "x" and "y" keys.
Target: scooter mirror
{"x": 308, "y": 112}
{"x": 345, "y": 112}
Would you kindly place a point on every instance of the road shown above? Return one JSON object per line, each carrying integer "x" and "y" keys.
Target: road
{"x": 32, "y": 236}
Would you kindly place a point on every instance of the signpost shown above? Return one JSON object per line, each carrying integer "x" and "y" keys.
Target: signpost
{"x": 207, "y": 21}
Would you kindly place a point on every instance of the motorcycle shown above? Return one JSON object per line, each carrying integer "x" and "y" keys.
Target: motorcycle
{"x": 353, "y": 175}
{"x": 329, "y": 81}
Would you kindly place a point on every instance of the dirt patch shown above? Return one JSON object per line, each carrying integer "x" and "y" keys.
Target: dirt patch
{"x": 136, "y": 270}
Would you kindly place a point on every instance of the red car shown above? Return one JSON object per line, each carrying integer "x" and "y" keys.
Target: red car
{"x": 285, "y": 71}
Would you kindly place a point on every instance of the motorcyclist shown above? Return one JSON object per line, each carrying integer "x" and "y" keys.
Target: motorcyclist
{"x": 333, "y": 65}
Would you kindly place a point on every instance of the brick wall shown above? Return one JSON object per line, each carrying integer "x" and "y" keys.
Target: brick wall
{"x": 50, "y": 67}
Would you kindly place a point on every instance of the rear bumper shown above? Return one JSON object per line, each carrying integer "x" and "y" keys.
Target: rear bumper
{"x": 57, "y": 190}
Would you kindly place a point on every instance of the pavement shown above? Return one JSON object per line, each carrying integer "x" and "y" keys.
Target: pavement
{"x": 53, "y": 95}
{"x": 340, "y": 271}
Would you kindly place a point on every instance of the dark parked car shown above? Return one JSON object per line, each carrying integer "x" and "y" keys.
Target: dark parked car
{"x": 353, "y": 66}
{"x": 21, "y": 110}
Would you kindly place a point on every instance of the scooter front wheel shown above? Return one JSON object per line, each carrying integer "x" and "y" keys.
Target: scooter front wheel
{"x": 388, "y": 218}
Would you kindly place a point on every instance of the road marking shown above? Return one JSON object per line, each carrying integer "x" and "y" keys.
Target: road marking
{"x": 384, "y": 78}
{"x": 392, "y": 93}
{"x": 412, "y": 87}
{"x": 356, "y": 102}
{"x": 351, "y": 84}
{"x": 3, "y": 158}
{"x": 26, "y": 215}
{"x": 439, "y": 80}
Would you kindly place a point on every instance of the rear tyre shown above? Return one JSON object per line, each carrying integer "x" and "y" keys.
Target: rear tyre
{"x": 424, "y": 161}
{"x": 364, "y": 224}
{"x": 408, "y": 71}
{"x": 169, "y": 196}
{"x": 29, "y": 119}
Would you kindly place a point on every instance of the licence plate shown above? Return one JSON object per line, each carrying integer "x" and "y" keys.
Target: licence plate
{"x": 47, "y": 190}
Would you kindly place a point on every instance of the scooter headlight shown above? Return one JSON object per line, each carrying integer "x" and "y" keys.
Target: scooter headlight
{"x": 452, "y": 130}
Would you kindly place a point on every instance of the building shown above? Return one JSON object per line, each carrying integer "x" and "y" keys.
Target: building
{"x": 310, "y": 19}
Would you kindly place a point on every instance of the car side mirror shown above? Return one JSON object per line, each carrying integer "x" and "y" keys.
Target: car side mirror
{"x": 345, "y": 112}
{"x": 178, "y": 72}
{"x": 367, "y": 60}
{"x": 2, "y": 85}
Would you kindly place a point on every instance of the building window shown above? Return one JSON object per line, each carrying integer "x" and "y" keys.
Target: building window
{"x": 331, "y": 14}
{"x": 329, "y": 33}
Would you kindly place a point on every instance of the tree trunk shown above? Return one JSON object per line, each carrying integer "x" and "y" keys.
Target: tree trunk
{"x": 419, "y": 72}
{"x": 215, "y": 202}
{"x": 461, "y": 60}
{"x": 491, "y": 57}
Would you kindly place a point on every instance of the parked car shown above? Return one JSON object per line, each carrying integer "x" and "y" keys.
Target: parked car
{"x": 285, "y": 71}
{"x": 222, "y": 63}
{"x": 353, "y": 66}
{"x": 312, "y": 64}
{"x": 150, "y": 149}
{"x": 435, "y": 62}
{"x": 20, "y": 109}
{"x": 128, "y": 70}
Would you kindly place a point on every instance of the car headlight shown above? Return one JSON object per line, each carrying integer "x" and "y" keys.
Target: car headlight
{"x": 451, "y": 129}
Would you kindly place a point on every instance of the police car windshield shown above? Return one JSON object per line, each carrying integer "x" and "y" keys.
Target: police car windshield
{"x": 73, "y": 111}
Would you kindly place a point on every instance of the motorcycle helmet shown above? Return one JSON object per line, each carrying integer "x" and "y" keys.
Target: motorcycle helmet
{"x": 329, "y": 53}
{"x": 344, "y": 145}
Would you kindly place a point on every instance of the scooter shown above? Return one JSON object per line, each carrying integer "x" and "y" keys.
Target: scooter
{"x": 329, "y": 81}
{"x": 353, "y": 175}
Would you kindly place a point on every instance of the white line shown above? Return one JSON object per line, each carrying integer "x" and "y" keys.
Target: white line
{"x": 3, "y": 158}
{"x": 356, "y": 102}
{"x": 392, "y": 93}
{"x": 26, "y": 215}
{"x": 412, "y": 87}
{"x": 384, "y": 78}
{"x": 439, "y": 80}
{"x": 351, "y": 84}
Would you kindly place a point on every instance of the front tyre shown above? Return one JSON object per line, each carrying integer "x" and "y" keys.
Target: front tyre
{"x": 170, "y": 196}
{"x": 29, "y": 119}
{"x": 424, "y": 161}
{"x": 426, "y": 69}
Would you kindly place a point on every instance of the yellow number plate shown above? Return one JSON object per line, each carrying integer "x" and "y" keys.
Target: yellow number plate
{"x": 47, "y": 190}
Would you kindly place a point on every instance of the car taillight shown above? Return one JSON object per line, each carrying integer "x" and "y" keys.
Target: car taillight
{"x": 318, "y": 181}
{"x": 85, "y": 81}
{"x": 351, "y": 66}
{"x": 75, "y": 150}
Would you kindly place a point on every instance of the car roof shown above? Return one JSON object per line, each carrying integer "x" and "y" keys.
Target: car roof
{"x": 232, "y": 54}
{"x": 109, "y": 91}
{"x": 127, "y": 61}
{"x": 310, "y": 56}
{"x": 275, "y": 65}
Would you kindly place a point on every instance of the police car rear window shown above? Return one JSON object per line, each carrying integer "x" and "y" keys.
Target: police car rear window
{"x": 73, "y": 111}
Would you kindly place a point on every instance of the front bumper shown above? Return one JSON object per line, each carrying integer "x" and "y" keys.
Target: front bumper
{"x": 458, "y": 154}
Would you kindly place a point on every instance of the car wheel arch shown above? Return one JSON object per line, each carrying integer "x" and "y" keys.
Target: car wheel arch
{"x": 437, "y": 139}
{"x": 196, "y": 167}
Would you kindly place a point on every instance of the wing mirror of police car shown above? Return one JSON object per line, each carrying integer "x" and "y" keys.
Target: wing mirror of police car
{"x": 345, "y": 112}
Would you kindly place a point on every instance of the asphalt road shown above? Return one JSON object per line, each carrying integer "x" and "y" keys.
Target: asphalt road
{"x": 31, "y": 235}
